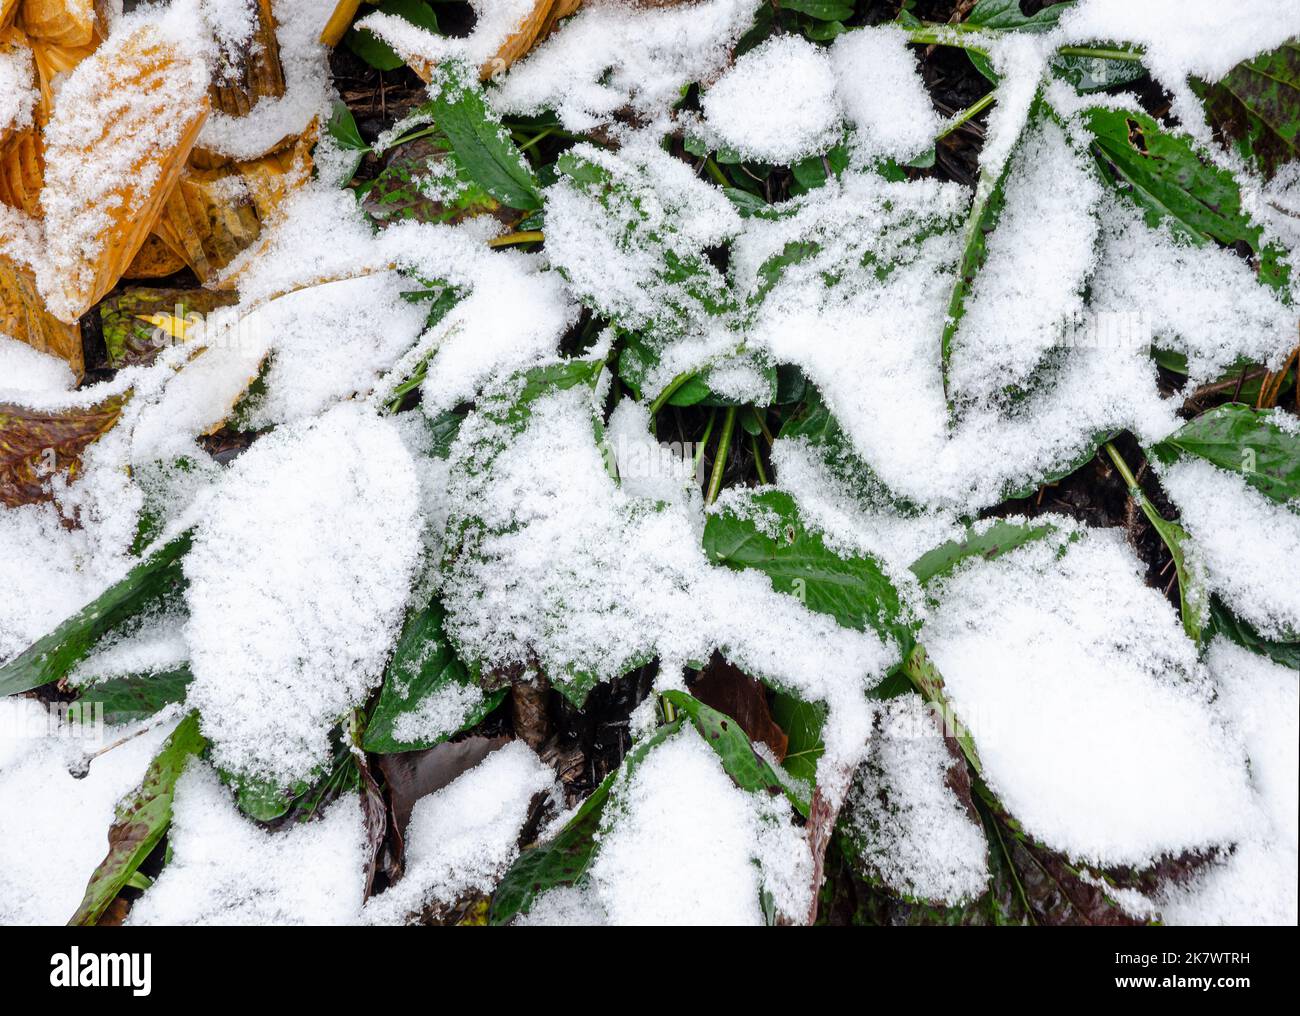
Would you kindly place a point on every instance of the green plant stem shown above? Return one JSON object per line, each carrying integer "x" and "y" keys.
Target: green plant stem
{"x": 1128, "y": 55}
{"x": 720, "y": 455}
{"x": 719, "y": 177}
{"x": 758, "y": 460}
{"x": 514, "y": 239}
{"x": 704, "y": 441}
{"x": 670, "y": 390}
{"x": 969, "y": 113}
{"x": 1123, "y": 468}
{"x": 544, "y": 134}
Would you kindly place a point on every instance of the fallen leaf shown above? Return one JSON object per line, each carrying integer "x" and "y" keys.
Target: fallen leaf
{"x": 66, "y": 22}
{"x": 254, "y": 73}
{"x": 411, "y": 775}
{"x": 35, "y": 445}
{"x": 22, "y": 169}
{"x": 131, "y": 320}
{"x": 213, "y": 216}
{"x": 23, "y": 317}
{"x": 535, "y": 26}
{"x": 154, "y": 260}
{"x": 743, "y": 698}
{"x": 132, "y": 110}
{"x": 53, "y": 60}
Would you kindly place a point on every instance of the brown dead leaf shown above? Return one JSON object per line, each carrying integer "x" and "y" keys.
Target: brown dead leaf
{"x": 743, "y": 698}
{"x": 213, "y": 216}
{"x": 22, "y": 168}
{"x": 23, "y": 317}
{"x": 255, "y": 73}
{"x": 154, "y": 101}
{"x": 35, "y": 445}
{"x": 534, "y": 27}
{"x": 65, "y": 22}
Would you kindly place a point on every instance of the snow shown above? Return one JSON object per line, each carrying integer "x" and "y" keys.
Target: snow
{"x": 307, "y": 87}
{"x": 462, "y": 838}
{"x": 297, "y": 583}
{"x": 136, "y": 96}
{"x": 1090, "y": 711}
{"x": 226, "y": 870}
{"x": 24, "y": 369}
{"x": 440, "y": 714}
{"x": 679, "y": 844}
{"x": 59, "y": 830}
{"x": 1256, "y": 883}
{"x": 1240, "y": 538}
{"x": 495, "y": 22}
{"x": 17, "y": 94}
{"x": 613, "y": 54}
{"x": 913, "y": 831}
{"x": 776, "y": 103}
{"x": 883, "y": 95}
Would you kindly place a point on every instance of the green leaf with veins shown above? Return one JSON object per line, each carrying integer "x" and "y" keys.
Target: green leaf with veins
{"x": 987, "y": 543}
{"x": 1245, "y": 441}
{"x": 145, "y": 586}
{"x": 377, "y": 53}
{"x": 768, "y": 534}
{"x": 1256, "y": 107}
{"x": 1164, "y": 175}
{"x": 131, "y": 697}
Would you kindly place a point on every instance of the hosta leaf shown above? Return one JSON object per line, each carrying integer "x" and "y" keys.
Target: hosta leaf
{"x": 154, "y": 260}
{"x": 1257, "y": 107}
{"x": 770, "y": 536}
{"x": 483, "y": 147}
{"x": 564, "y": 859}
{"x": 22, "y": 171}
{"x": 1244, "y": 441}
{"x": 423, "y": 665}
{"x": 149, "y": 583}
{"x": 822, "y": 10}
{"x": 802, "y": 722}
{"x": 985, "y": 543}
{"x": 1164, "y": 175}
{"x": 724, "y": 735}
{"x": 36, "y": 444}
{"x": 133, "y": 697}
{"x": 23, "y": 317}
{"x": 146, "y": 94}
{"x": 142, "y": 818}
{"x": 64, "y": 22}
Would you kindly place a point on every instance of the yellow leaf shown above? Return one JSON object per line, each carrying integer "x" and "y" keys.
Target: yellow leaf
{"x": 213, "y": 216}
{"x": 22, "y": 168}
{"x": 339, "y": 21}
{"x": 169, "y": 324}
{"x": 7, "y": 10}
{"x": 123, "y": 125}
{"x": 528, "y": 33}
{"x": 65, "y": 22}
{"x": 23, "y": 317}
{"x": 154, "y": 260}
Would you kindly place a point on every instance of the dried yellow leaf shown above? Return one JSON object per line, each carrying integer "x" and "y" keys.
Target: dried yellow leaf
{"x": 65, "y": 22}
{"x": 8, "y": 8}
{"x": 123, "y": 125}
{"x": 35, "y": 444}
{"x": 52, "y": 61}
{"x": 23, "y": 317}
{"x": 22, "y": 169}
{"x": 213, "y": 216}
{"x": 155, "y": 260}
{"x": 529, "y": 32}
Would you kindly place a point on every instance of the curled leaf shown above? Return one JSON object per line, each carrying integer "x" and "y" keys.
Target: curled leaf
{"x": 65, "y": 22}
{"x": 23, "y": 317}
{"x": 35, "y": 445}
{"x": 252, "y": 74}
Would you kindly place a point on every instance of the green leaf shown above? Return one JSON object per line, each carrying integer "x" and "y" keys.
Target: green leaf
{"x": 1257, "y": 107}
{"x": 822, "y": 10}
{"x": 261, "y": 799}
{"x": 423, "y": 180}
{"x": 133, "y": 697}
{"x": 53, "y": 656}
{"x": 744, "y": 765}
{"x": 423, "y": 665}
{"x": 987, "y": 543}
{"x": 342, "y": 127}
{"x": 769, "y": 535}
{"x": 564, "y": 859}
{"x": 142, "y": 818}
{"x": 802, "y": 722}
{"x": 1224, "y": 622}
{"x": 130, "y": 339}
{"x": 1164, "y": 175}
{"x": 483, "y": 147}
{"x": 925, "y": 677}
{"x": 1245, "y": 441}
{"x": 377, "y": 53}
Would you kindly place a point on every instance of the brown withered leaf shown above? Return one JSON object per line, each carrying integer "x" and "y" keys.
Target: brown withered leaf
{"x": 411, "y": 775}
{"x": 65, "y": 22}
{"x": 128, "y": 319}
{"x": 154, "y": 100}
{"x": 214, "y": 215}
{"x": 23, "y": 317}
{"x": 34, "y": 445}
{"x": 253, "y": 74}
{"x": 743, "y": 698}
{"x": 527, "y": 34}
